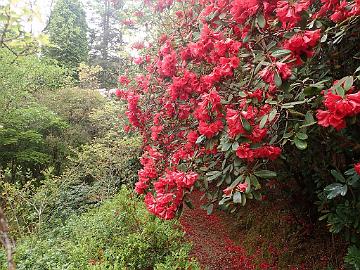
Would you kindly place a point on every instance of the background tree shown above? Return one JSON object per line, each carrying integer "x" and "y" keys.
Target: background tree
{"x": 67, "y": 32}
{"x": 105, "y": 38}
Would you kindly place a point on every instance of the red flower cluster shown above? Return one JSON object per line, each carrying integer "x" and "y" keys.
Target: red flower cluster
{"x": 302, "y": 45}
{"x": 241, "y": 10}
{"x": 339, "y": 9}
{"x": 245, "y": 152}
{"x": 169, "y": 193}
{"x": 282, "y": 69}
{"x": 221, "y": 84}
{"x": 338, "y": 108}
{"x": 289, "y": 12}
{"x": 167, "y": 65}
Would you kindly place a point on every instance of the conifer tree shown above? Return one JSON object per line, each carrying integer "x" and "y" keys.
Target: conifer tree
{"x": 67, "y": 32}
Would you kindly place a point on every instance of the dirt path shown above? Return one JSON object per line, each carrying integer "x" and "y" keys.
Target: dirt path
{"x": 273, "y": 239}
{"x": 213, "y": 247}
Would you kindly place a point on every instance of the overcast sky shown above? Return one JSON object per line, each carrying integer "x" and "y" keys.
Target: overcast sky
{"x": 45, "y": 6}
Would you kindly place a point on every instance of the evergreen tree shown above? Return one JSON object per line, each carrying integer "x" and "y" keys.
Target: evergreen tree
{"x": 67, "y": 31}
{"x": 106, "y": 38}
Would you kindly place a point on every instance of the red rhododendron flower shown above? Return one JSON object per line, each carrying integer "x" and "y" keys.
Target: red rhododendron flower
{"x": 326, "y": 118}
{"x": 242, "y": 187}
{"x": 138, "y": 60}
{"x": 338, "y": 108}
{"x": 357, "y": 168}
{"x": 244, "y": 152}
{"x": 124, "y": 80}
{"x": 289, "y": 12}
{"x": 241, "y": 10}
{"x": 338, "y": 10}
{"x": 301, "y": 45}
{"x": 227, "y": 191}
{"x": 284, "y": 70}
{"x": 268, "y": 73}
{"x": 210, "y": 129}
{"x": 234, "y": 124}
{"x": 196, "y": 95}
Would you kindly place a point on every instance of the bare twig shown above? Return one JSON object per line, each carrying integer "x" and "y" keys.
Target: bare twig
{"x": 6, "y": 241}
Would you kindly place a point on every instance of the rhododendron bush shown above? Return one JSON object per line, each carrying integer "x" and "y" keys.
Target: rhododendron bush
{"x": 227, "y": 94}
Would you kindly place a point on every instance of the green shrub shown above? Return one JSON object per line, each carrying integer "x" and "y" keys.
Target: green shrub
{"x": 118, "y": 235}
{"x": 96, "y": 172}
{"x": 352, "y": 258}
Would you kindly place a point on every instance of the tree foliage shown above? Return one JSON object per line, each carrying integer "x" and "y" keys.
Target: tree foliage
{"x": 67, "y": 32}
{"x": 106, "y": 38}
{"x": 14, "y": 35}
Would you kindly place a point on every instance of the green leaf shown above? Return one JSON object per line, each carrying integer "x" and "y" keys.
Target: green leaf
{"x": 272, "y": 114}
{"x": 277, "y": 79}
{"x": 213, "y": 175}
{"x": 228, "y": 179}
{"x": 210, "y": 209}
{"x": 292, "y": 104}
{"x": 263, "y": 121}
{"x": 311, "y": 91}
{"x": 242, "y": 94}
{"x": 340, "y": 91}
{"x": 224, "y": 200}
{"x": 300, "y": 144}
{"x": 255, "y": 182}
{"x": 243, "y": 199}
{"x": 323, "y": 38}
{"x": 258, "y": 67}
{"x": 288, "y": 135}
{"x": 301, "y": 136}
{"x": 261, "y": 20}
{"x": 237, "y": 197}
{"x": 248, "y": 182}
{"x": 200, "y": 139}
{"x": 280, "y": 53}
{"x": 236, "y": 182}
{"x": 338, "y": 176}
{"x": 357, "y": 70}
{"x": 246, "y": 124}
{"x": 324, "y": 217}
{"x": 265, "y": 174}
{"x": 225, "y": 146}
{"x": 235, "y": 146}
{"x": 335, "y": 190}
{"x": 348, "y": 83}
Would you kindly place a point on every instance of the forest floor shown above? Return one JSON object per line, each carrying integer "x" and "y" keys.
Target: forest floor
{"x": 261, "y": 235}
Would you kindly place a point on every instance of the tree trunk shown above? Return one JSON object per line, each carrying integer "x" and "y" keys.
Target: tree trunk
{"x": 6, "y": 241}
{"x": 106, "y": 30}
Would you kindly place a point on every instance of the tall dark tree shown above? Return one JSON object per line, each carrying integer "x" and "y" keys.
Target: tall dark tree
{"x": 67, "y": 31}
{"x": 105, "y": 37}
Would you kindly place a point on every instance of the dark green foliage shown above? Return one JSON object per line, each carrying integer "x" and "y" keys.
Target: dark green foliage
{"x": 121, "y": 234}
{"x": 68, "y": 34}
{"x": 27, "y": 138}
{"x": 353, "y": 257}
